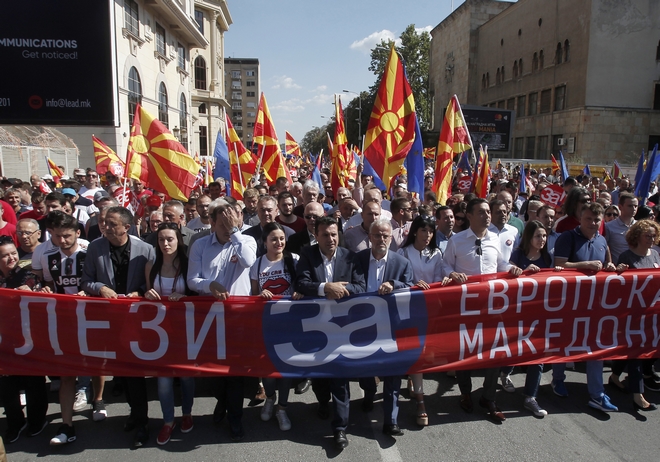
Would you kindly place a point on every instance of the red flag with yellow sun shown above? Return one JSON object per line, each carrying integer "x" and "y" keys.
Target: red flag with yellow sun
{"x": 242, "y": 163}
{"x": 157, "y": 159}
{"x": 106, "y": 159}
{"x": 391, "y": 130}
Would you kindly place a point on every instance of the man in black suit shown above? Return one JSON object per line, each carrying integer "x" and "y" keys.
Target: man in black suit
{"x": 384, "y": 272}
{"x": 306, "y": 237}
{"x": 266, "y": 211}
{"x": 327, "y": 270}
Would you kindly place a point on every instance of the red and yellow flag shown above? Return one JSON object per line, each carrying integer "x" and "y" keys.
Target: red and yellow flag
{"x": 482, "y": 174}
{"x": 555, "y": 165}
{"x": 157, "y": 159}
{"x": 292, "y": 147}
{"x": 391, "y": 130}
{"x": 429, "y": 153}
{"x": 454, "y": 139}
{"x": 106, "y": 159}
{"x": 265, "y": 137}
{"x": 339, "y": 157}
{"x": 54, "y": 170}
{"x": 242, "y": 163}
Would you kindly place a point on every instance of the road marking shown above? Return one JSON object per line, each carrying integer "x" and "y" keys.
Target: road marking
{"x": 387, "y": 454}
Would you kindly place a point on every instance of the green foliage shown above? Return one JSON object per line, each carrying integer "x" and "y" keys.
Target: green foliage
{"x": 316, "y": 139}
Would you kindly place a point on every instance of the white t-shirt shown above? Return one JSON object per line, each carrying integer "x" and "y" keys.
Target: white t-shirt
{"x": 273, "y": 275}
{"x": 88, "y": 193}
{"x": 38, "y": 256}
{"x": 196, "y": 225}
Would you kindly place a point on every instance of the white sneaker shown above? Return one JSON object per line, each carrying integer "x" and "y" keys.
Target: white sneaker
{"x": 283, "y": 420}
{"x": 507, "y": 384}
{"x": 267, "y": 410}
{"x": 532, "y": 405}
{"x": 81, "y": 401}
{"x": 99, "y": 413}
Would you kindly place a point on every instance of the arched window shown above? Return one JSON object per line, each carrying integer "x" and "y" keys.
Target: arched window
{"x": 200, "y": 73}
{"x": 558, "y": 54}
{"x": 541, "y": 60}
{"x": 497, "y": 77}
{"x": 487, "y": 80}
{"x": 515, "y": 69}
{"x": 134, "y": 93}
{"x": 535, "y": 62}
{"x": 202, "y": 108}
{"x": 520, "y": 67}
{"x": 567, "y": 50}
{"x": 183, "y": 121}
{"x": 483, "y": 81}
{"x": 502, "y": 76}
{"x": 162, "y": 104}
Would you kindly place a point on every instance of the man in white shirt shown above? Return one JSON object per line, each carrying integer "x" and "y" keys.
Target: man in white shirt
{"x": 508, "y": 235}
{"x": 357, "y": 237}
{"x": 616, "y": 230}
{"x": 370, "y": 194}
{"x": 91, "y": 185}
{"x": 203, "y": 220}
{"x": 472, "y": 252}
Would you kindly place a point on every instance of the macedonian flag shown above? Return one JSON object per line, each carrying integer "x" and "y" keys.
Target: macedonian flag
{"x": 391, "y": 130}
{"x": 242, "y": 163}
{"x": 339, "y": 154}
{"x": 265, "y": 137}
{"x": 106, "y": 159}
{"x": 157, "y": 159}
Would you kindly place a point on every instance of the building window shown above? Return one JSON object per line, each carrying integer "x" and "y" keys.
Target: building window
{"x": 567, "y": 50}
{"x": 502, "y": 76}
{"x": 656, "y": 98}
{"x": 250, "y": 125}
{"x": 500, "y": 104}
{"x": 250, "y": 73}
{"x": 199, "y": 19}
{"x": 202, "y": 109}
{"x": 520, "y": 67}
{"x": 132, "y": 17}
{"x": 541, "y": 60}
{"x": 487, "y": 80}
{"x": 251, "y": 83}
{"x": 497, "y": 77}
{"x": 511, "y": 104}
{"x": 535, "y": 62}
{"x": 533, "y": 99}
{"x": 237, "y": 105}
{"x": 560, "y": 97}
{"x": 236, "y": 85}
{"x": 134, "y": 93}
{"x": 162, "y": 104}
{"x": 546, "y": 101}
{"x": 183, "y": 121}
{"x": 200, "y": 73}
{"x": 236, "y": 95}
{"x": 251, "y": 114}
{"x": 181, "y": 56}
{"x": 515, "y": 69}
{"x": 203, "y": 141}
{"x": 236, "y": 75}
{"x": 236, "y": 114}
{"x": 251, "y": 94}
{"x": 252, "y": 104}
{"x": 518, "y": 148}
{"x": 522, "y": 101}
{"x": 558, "y": 54}
{"x": 160, "y": 39}
{"x": 542, "y": 152}
{"x": 530, "y": 148}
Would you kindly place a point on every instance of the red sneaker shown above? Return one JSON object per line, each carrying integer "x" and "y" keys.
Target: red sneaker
{"x": 186, "y": 423}
{"x": 165, "y": 434}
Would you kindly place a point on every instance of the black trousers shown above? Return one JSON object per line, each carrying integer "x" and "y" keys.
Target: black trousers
{"x": 36, "y": 398}
{"x": 136, "y": 397}
{"x": 229, "y": 393}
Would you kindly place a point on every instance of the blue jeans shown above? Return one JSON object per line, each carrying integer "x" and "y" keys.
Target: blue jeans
{"x": 532, "y": 380}
{"x": 594, "y": 377}
{"x": 166, "y": 396}
{"x": 283, "y": 386}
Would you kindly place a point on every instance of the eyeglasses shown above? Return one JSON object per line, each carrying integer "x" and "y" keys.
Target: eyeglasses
{"x": 68, "y": 266}
{"x": 92, "y": 176}
{"x": 479, "y": 251}
{"x": 312, "y": 217}
{"x": 611, "y": 214}
{"x": 26, "y": 233}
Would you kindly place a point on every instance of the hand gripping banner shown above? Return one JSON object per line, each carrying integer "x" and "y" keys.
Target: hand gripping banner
{"x": 491, "y": 321}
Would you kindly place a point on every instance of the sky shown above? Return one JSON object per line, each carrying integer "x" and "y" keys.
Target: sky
{"x": 308, "y": 50}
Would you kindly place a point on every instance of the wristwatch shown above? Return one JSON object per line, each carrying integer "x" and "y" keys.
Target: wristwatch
{"x": 234, "y": 230}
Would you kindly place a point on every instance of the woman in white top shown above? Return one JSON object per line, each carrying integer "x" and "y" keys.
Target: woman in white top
{"x": 421, "y": 249}
{"x": 166, "y": 280}
{"x": 272, "y": 275}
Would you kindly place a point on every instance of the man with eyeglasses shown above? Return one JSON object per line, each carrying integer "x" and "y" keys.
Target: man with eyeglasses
{"x": 28, "y": 234}
{"x": 306, "y": 237}
{"x": 471, "y": 252}
{"x": 91, "y": 185}
{"x": 615, "y": 230}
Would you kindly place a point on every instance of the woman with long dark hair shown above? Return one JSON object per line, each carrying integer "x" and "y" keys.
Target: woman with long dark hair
{"x": 166, "y": 279}
{"x": 271, "y": 275}
{"x": 421, "y": 249}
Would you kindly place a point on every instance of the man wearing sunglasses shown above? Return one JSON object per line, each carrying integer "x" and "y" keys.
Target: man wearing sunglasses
{"x": 472, "y": 252}
{"x": 91, "y": 185}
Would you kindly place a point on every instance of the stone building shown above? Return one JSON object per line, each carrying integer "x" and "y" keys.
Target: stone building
{"x": 243, "y": 89}
{"x": 582, "y": 76}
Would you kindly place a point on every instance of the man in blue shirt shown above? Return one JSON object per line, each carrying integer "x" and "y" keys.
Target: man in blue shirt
{"x": 584, "y": 248}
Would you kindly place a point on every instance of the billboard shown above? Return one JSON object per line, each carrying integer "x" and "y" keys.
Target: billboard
{"x": 489, "y": 126}
{"x": 58, "y": 63}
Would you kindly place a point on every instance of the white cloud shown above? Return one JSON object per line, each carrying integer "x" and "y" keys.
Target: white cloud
{"x": 321, "y": 88}
{"x": 290, "y": 105}
{"x": 366, "y": 44}
{"x": 419, "y": 30}
{"x": 322, "y": 98}
{"x": 285, "y": 82}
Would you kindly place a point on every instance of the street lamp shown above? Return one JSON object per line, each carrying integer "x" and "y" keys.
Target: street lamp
{"x": 359, "y": 120}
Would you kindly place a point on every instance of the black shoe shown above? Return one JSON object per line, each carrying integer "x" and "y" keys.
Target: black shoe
{"x": 141, "y": 436}
{"x": 622, "y": 388}
{"x": 236, "y": 433}
{"x": 65, "y": 434}
{"x": 392, "y": 430}
{"x": 340, "y": 439}
{"x": 218, "y": 414}
{"x": 303, "y": 387}
{"x": 650, "y": 407}
{"x": 368, "y": 404}
{"x": 34, "y": 431}
{"x": 129, "y": 425}
{"x": 651, "y": 384}
{"x": 13, "y": 434}
{"x": 324, "y": 410}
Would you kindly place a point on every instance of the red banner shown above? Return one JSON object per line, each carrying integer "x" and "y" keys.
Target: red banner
{"x": 546, "y": 317}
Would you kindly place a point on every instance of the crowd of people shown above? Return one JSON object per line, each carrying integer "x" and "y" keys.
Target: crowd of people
{"x": 303, "y": 239}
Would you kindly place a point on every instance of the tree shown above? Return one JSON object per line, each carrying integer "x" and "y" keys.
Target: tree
{"x": 316, "y": 139}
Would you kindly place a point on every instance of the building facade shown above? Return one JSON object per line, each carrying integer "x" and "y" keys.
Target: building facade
{"x": 583, "y": 76}
{"x": 242, "y": 87}
{"x": 158, "y": 44}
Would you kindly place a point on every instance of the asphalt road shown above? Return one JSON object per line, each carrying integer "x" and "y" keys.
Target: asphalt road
{"x": 571, "y": 432}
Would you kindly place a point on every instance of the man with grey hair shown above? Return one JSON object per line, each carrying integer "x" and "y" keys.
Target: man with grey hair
{"x": 357, "y": 238}
{"x": 266, "y": 211}
{"x": 173, "y": 212}
{"x": 310, "y": 194}
{"x": 297, "y": 191}
{"x": 384, "y": 272}
{"x": 371, "y": 193}
{"x": 27, "y": 234}
{"x": 219, "y": 265}
{"x": 513, "y": 220}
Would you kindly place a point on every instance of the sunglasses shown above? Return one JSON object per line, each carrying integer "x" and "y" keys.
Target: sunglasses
{"x": 611, "y": 214}
{"x": 479, "y": 251}
{"x": 312, "y": 217}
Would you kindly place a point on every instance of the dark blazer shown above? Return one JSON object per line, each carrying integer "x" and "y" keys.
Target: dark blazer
{"x": 297, "y": 241}
{"x": 98, "y": 271}
{"x": 397, "y": 269}
{"x": 310, "y": 272}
